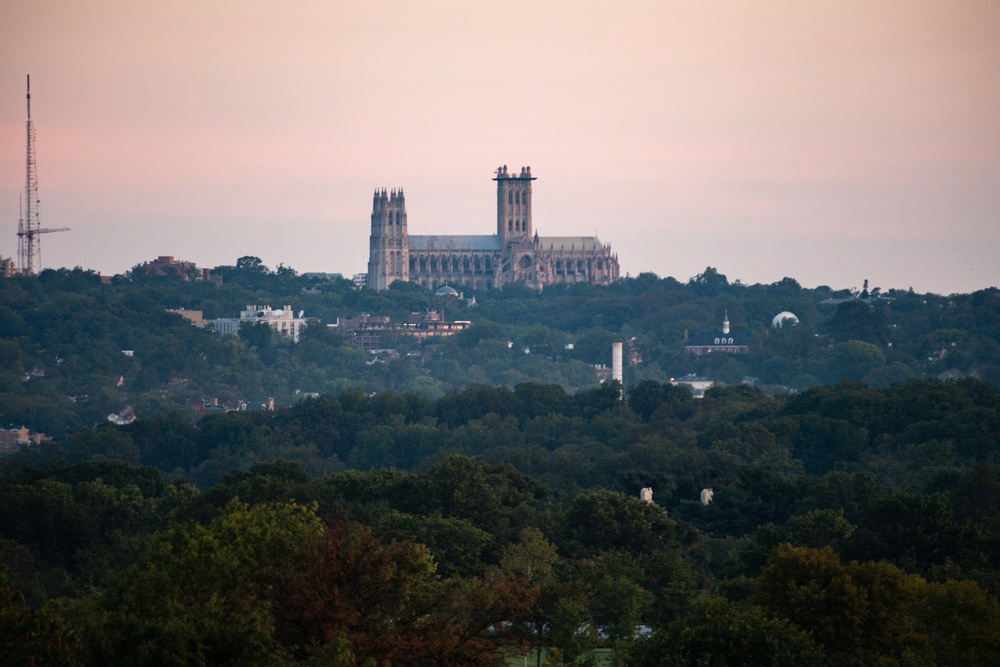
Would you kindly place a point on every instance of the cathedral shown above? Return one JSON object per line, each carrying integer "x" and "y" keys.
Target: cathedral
{"x": 515, "y": 254}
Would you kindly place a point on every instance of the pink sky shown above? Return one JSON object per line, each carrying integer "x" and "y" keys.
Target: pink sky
{"x": 825, "y": 141}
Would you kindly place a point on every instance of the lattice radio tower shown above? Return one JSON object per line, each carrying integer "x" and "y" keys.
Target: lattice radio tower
{"x": 29, "y": 251}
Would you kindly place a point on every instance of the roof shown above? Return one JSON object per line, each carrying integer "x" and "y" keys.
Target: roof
{"x": 588, "y": 243}
{"x": 715, "y": 338}
{"x": 449, "y": 242}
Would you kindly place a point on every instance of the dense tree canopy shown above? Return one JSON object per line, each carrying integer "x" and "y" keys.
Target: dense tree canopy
{"x": 469, "y": 502}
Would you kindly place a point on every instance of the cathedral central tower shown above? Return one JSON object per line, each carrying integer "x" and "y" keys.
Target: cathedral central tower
{"x": 514, "y": 205}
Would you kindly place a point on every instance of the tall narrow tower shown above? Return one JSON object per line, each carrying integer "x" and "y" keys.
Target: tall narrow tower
{"x": 514, "y": 205}
{"x": 29, "y": 251}
{"x": 27, "y": 247}
{"x": 389, "y": 255}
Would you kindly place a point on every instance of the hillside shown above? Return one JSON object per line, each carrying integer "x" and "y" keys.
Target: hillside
{"x": 74, "y": 350}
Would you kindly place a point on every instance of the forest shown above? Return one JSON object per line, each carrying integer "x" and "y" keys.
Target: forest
{"x": 849, "y": 525}
{"x": 476, "y": 505}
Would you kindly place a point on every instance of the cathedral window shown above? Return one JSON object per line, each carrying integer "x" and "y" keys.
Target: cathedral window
{"x": 517, "y": 198}
{"x": 510, "y": 197}
{"x": 510, "y": 225}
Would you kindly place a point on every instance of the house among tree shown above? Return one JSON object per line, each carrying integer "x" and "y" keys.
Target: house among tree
{"x": 724, "y": 341}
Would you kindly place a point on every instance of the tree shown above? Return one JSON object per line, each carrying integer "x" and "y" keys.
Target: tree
{"x": 853, "y": 360}
{"x": 260, "y": 337}
{"x": 266, "y": 585}
{"x": 601, "y": 520}
{"x": 251, "y": 264}
{"x": 32, "y": 637}
{"x": 708, "y": 283}
{"x": 648, "y": 398}
{"x": 860, "y": 613}
{"x": 718, "y": 633}
{"x": 619, "y": 602}
{"x": 856, "y": 320}
{"x": 532, "y": 557}
{"x": 962, "y": 621}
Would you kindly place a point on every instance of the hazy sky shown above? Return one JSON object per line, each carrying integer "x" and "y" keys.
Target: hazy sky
{"x": 825, "y": 141}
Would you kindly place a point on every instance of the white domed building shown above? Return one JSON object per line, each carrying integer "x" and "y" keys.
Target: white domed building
{"x": 447, "y": 290}
{"x": 784, "y": 319}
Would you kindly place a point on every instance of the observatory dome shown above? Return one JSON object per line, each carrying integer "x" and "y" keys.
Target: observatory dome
{"x": 446, "y": 290}
{"x": 784, "y": 318}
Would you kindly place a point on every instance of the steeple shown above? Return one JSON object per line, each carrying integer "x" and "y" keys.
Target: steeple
{"x": 725, "y": 323}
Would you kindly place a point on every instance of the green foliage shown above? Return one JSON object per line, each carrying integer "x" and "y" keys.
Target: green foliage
{"x": 853, "y": 523}
{"x": 274, "y": 585}
{"x": 724, "y": 634}
{"x": 604, "y": 520}
{"x": 853, "y": 360}
{"x": 31, "y": 636}
{"x": 856, "y": 320}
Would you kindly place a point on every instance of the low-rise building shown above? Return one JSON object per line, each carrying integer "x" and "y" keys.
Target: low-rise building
{"x": 12, "y": 439}
{"x": 367, "y": 331}
{"x": 725, "y": 341}
{"x": 696, "y": 383}
{"x": 432, "y": 323}
{"x": 123, "y": 418}
{"x": 283, "y": 321}
{"x": 195, "y": 317}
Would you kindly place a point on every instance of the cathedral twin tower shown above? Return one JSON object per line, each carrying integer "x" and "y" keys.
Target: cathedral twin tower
{"x": 515, "y": 254}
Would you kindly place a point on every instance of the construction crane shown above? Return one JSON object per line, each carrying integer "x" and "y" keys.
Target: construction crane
{"x": 29, "y": 251}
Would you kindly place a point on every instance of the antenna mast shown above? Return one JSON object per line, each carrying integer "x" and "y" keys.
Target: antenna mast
{"x": 29, "y": 226}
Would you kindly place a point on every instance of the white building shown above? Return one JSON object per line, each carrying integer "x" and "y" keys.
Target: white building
{"x": 281, "y": 321}
{"x": 697, "y": 384}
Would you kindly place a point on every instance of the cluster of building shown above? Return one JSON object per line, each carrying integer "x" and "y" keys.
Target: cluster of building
{"x": 213, "y": 406}
{"x": 166, "y": 265}
{"x": 13, "y": 439}
{"x": 372, "y": 332}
